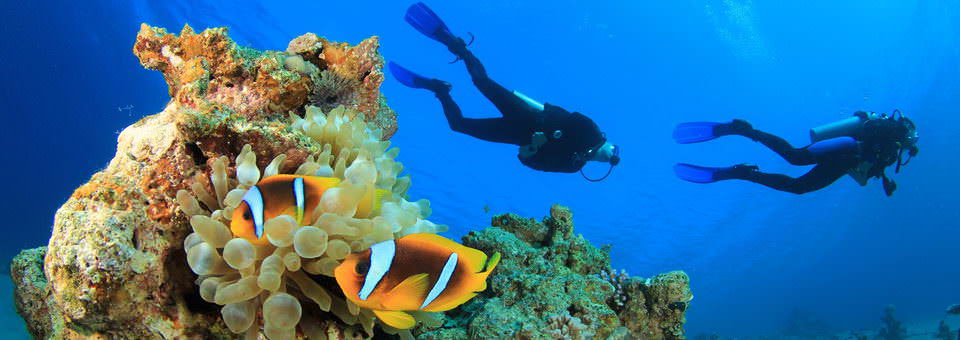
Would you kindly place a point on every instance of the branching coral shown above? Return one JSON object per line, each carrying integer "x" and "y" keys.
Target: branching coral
{"x": 619, "y": 281}
{"x": 278, "y": 277}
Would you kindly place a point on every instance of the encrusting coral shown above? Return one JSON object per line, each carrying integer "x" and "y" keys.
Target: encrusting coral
{"x": 551, "y": 285}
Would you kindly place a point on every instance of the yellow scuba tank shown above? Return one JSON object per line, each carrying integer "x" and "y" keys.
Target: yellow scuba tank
{"x": 846, "y": 127}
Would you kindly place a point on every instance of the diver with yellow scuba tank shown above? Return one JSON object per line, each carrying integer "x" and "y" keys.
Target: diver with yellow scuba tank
{"x": 550, "y": 138}
{"x": 862, "y": 146}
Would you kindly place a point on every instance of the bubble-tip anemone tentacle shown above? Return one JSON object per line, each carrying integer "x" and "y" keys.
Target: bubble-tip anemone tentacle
{"x": 280, "y": 280}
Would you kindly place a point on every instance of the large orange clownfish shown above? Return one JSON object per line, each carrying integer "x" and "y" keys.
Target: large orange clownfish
{"x": 293, "y": 195}
{"x": 416, "y": 272}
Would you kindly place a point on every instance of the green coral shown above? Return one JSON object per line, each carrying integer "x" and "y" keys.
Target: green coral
{"x": 549, "y": 285}
{"x": 248, "y": 55}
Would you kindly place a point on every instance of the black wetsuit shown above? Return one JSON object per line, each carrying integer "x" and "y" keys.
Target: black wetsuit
{"x": 877, "y": 145}
{"x": 568, "y": 153}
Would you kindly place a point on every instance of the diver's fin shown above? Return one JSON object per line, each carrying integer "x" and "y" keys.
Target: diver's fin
{"x": 696, "y": 173}
{"x": 395, "y": 319}
{"x": 407, "y": 77}
{"x": 703, "y": 174}
{"x": 410, "y": 79}
{"x": 694, "y": 132}
{"x": 423, "y": 19}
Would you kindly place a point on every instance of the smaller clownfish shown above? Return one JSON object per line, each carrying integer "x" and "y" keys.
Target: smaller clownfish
{"x": 416, "y": 272}
{"x": 293, "y": 195}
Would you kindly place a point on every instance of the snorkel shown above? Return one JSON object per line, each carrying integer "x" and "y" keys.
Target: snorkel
{"x": 909, "y": 142}
{"x": 607, "y": 153}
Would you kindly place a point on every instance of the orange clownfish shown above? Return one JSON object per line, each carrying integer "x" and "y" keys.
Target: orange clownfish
{"x": 293, "y": 195}
{"x": 416, "y": 272}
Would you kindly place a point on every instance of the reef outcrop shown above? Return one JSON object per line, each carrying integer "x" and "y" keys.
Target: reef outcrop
{"x": 116, "y": 265}
{"x": 553, "y": 284}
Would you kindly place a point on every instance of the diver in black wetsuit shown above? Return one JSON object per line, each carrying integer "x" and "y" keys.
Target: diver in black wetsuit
{"x": 550, "y": 138}
{"x": 862, "y": 146}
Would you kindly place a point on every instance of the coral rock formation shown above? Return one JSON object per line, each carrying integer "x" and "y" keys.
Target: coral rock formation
{"x": 116, "y": 265}
{"x": 552, "y": 284}
{"x": 209, "y": 69}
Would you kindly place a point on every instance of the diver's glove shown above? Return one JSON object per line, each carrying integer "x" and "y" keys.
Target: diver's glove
{"x": 889, "y": 186}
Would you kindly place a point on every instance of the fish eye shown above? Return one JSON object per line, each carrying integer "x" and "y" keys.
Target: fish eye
{"x": 362, "y": 267}
{"x": 246, "y": 214}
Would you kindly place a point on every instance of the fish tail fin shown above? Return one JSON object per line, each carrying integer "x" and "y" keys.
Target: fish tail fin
{"x": 487, "y": 269}
{"x": 491, "y": 263}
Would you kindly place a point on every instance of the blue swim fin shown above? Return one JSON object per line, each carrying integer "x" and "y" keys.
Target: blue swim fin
{"x": 695, "y": 173}
{"x": 408, "y": 78}
{"x": 423, "y": 19}
{"x": 694, "y": 132}
{"x": 703, "y": 174}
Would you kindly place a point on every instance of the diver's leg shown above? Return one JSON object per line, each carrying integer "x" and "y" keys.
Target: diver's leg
{"x": 796, "y": 156}
{"x": 506, "y": 102}
{"x": 817, "y": 178}
{"x": 497, "y": 130}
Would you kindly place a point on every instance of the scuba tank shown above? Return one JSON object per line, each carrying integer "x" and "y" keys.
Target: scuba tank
{"x": 850, "y": 127}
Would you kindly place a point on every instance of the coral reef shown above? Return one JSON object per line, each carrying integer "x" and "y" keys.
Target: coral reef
{"x": 116, "y": 265}
{"x": 553, "y": 284}
{"x": 892, "y": 329}
{"x": 209, "y": 70}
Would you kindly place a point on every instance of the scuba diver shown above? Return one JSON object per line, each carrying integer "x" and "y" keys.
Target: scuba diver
{"x": 862, "y": 146}
{"x": 550, "y": 138}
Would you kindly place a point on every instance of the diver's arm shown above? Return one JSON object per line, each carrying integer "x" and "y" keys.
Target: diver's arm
{"x": 536, "y": 141}
{"x": 889, "y": 186}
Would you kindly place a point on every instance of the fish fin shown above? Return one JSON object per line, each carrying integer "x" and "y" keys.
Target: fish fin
{"x": 473, "y": 258}
{"x": 322, "y": 182}
{"x": 395, "y": 319}
{"x": 491, "y": 263}
{"x": 438, "y": 306}
{"x": 488, "y": 268}
{"x": 378, "y": 198}
{"x": 434, "y": 239}
{"x": 408, "y": 293}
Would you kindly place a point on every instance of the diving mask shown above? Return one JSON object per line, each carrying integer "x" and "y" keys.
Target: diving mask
{"x": 607, "y": 153}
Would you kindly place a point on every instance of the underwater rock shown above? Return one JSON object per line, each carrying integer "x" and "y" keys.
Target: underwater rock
{"x": 116, "y": 267}
{"x": 208, "y": 70}
{"x": 31, "y": 296}
{"x": 553, "y": 284}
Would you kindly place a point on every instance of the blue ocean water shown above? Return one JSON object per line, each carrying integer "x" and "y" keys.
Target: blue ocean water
{"x": 637, "y": 68}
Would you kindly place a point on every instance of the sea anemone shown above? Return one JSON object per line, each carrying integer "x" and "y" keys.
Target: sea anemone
{"x": 284, "y": 277}
{"x": 332, "y": 89}
{"x": 564, "y": 326}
